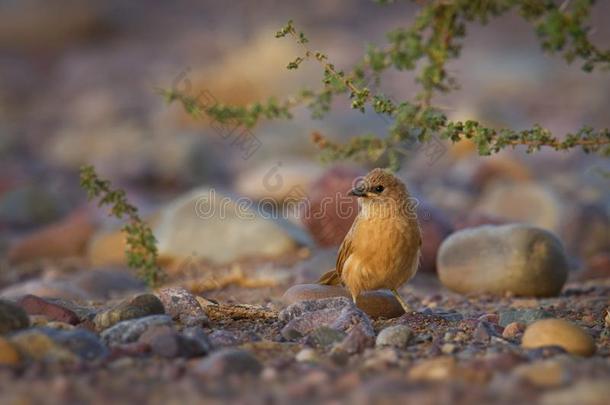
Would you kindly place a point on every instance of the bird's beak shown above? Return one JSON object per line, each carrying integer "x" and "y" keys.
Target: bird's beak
{"x": 358, "y": 192}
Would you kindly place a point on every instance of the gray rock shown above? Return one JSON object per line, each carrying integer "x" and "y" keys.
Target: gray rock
{"x": 227, "y": 362}
{"x": 197, "y": 334}
{"x": 376, "y": 304}
{"x": 397, "y": 336}
{"x": 525, "y": 316}
{"x": 105, "y": 284}
{"x": 339, "y": 314}
{"x": 136, "y": 307}
{"x": 324, "y": 337}
{"x": 516, "y": 258}
{"x": 12, "y": 317}
{"x": 166, "y": 342}
{"x": 130, "y": 330}
{"x": 81, "y": 342}
{"x": 224, "y": 338}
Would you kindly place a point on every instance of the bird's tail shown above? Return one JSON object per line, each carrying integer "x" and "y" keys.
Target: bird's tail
{"x": 330, "y": 278}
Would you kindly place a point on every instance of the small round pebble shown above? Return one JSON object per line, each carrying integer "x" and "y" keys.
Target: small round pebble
{"x": 512, "y": 330}
{"x": 557, "y": 332}
{"x": 397, "y": 336}
{"x": 306, "y": 355}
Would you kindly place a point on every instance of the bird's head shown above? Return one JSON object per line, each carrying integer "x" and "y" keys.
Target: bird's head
{"x": 380, "y": 185}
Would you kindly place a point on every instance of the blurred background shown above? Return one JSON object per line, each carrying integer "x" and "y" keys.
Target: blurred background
{"x": 78, "y": 87}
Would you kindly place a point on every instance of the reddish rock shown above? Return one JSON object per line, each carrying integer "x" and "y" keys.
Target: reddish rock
{"x": 597, "y": 266}
{"x": 34, "y": 305}
{"x": 513, "y": 330}
{"x": 330, "y": 212}
{"x": 66, "y": 238}
{"x": 435, "y": 227}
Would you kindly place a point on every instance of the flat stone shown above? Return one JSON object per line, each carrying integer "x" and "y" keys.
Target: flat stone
{"x": 545, "y": 373}
{"x": 34, "y": 305}
{"x": 519, "y": 259}
{"x": 558, "y": 332}
{"x": 12, "y": 317}
{"x": 87, "y": 345}
{"x": 37, "y": 345}
{"x": 137, "y": 307}
{"x": 324, "y": 337}
{"x": 525, "y": 316}
{"x": 130, "y": 330}
{"x": 376, "y": 304}
{"x": 229, "y": 362}
{"x": 397, "y": 336}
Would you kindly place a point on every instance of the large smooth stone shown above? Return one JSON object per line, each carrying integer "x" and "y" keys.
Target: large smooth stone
{"x": 515, "y": 258}
{"x": 205, "y": 225}
{"x": 330, "y": 211}
{"x": 557, "y": 332}
{"x": 376, "y": 304}
{"x": 529, "y": 203}
{"x": 65, "y": 238}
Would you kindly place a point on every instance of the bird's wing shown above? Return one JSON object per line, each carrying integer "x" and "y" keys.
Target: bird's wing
{"x": 345, "y": 250}
{"x": 333, "y": 277}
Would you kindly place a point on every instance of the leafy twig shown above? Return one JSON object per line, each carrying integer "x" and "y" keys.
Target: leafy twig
{"x": 141, "y": 244}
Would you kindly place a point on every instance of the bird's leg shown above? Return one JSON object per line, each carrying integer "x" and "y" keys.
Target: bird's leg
{"x": 354, "y": 296}
{"x": 404, "y": 305}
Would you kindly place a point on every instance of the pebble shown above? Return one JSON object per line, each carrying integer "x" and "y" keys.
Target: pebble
{"x": 436, "y": 369}
{"x": 307, "y": 355}
{"x": 584, "y": 392}
{"x": 37, "y": 345}
{"x": 558, "y": 332}
{"x": 545, "y": 373}
{"x": 12, "y": 317}
{"x": 166, "y": 342}
{"x": 397, "y": 336}
{"x": 376, "y": 304}
{"x": 81, "y": 342}
{"x": 224, "y": 338}
{"x": 228, "y": 362}
{"x": 137, "y": 307}
{"x": 34, "y": 305}
{"x": 518, "y": 259}
{"x": 324, "y": 337}
{"x": 9, "y": 356}
{"x": 129, "y": 331}
{"x": 513, "y": 330}
{"x": 198, "y": 335}
{"x": 182, "y": 306}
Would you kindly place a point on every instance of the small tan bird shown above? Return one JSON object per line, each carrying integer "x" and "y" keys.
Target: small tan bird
{"x": 382, "y": 248}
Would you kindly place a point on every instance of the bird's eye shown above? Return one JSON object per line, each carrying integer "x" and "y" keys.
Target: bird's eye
{"x": 379, "y": 189}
